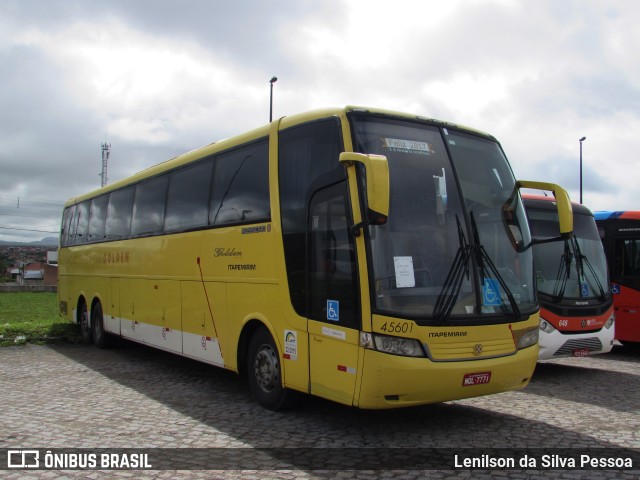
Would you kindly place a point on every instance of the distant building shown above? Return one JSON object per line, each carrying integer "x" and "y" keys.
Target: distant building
{"x": 28, "y": 265}
{"x": 51, "y": 268}
{"x": 52, "y": 257}
{"x": 50, "y": 275}
{"x": 33, "y": 274}
{"x": 14, "y": 273}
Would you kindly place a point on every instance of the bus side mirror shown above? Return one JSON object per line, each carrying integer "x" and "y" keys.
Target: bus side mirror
{"x": 377, "y": 179}
{"x": 565, "y": 211}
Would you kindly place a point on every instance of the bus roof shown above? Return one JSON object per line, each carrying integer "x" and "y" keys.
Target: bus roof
{"x": 617, "y": 215}
{"x": 256, "y": 134}
{"x": 546, "y": 202}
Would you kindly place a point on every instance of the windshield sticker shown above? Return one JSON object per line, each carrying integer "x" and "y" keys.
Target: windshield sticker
{"x": 584, "y": 289}
{"x": 407, "y": 146}
{"x": 491, "y": 292}
{"x": 405, "y": 277}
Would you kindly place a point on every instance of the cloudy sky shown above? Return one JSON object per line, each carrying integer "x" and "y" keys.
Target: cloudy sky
{"x": 155, "y": 78}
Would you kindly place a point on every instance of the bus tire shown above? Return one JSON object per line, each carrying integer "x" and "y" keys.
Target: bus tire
{"x": 85, "y": 327}
{"x": 101, "y": 338}
{"x": 265, "y": 373}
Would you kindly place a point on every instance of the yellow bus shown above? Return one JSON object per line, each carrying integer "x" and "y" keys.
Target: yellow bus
{"x": 369, "y": 257}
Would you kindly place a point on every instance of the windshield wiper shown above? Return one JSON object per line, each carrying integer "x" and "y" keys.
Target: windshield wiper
{"x": 582, "y": 260}
{"x": 485, "y": 263}
{"x": 563, "y": 274}
{"x": 453, "y": 283}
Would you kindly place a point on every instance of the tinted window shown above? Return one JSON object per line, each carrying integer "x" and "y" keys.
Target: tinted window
{"x": 119, "y": 214}
{"x": 98, "y": 215}
{"x": 308, "y": 161}
{"x": 149, "y": 205}
{"x": 332, "y": 262}
{"x": 67, "y": 218}
{"x": 82, "y": 223}
{"x": 627, "y": 261}
{"x": 188, "y": 198}
{"x": 241, "y": 186}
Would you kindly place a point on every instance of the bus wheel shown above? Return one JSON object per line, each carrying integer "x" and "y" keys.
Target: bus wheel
{"x": 265, "y": 373}
{"x": 85, "y": 328}
{"x": 101, "y": 339}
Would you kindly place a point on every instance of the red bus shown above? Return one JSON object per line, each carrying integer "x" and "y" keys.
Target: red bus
{"x": 620, "y": 234}
{"x": 576, "y": 306}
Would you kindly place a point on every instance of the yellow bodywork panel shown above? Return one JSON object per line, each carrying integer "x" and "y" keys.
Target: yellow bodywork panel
{"x": 393, "y": 381}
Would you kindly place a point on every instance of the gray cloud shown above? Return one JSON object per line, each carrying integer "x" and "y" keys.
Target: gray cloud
{"x": 156, "y": 78}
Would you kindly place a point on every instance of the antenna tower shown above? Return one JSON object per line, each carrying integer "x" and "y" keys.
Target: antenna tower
{"x": 106, "y": 151}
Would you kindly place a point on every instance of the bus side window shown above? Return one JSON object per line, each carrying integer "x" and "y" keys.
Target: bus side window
{"x": 241, "y": 186}
{"x": 119, "y": 211}
{"x": 308, "y": 160}
{"x": 66, "y": 237}
{"x": 81, "y": 223}
{"x": 633, "y": 256}
{"x": 97, "y": 218}
{"x": 188, "y": 198}
{"x": 149, "y": 205}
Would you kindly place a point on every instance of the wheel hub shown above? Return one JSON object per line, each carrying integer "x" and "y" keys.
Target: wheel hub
{"x": 266, "y": 369}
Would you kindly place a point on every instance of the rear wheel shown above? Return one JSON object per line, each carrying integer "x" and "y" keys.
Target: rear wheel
{"x": 265, "y": 373}
{"x": 101, "y": 338}
{"x": 85, "y": 327}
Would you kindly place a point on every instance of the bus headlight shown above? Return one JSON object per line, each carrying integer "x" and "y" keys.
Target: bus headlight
{"x": 528, "y": 339}
{"x": 406, "y": 347}
{"x": 611, "y": 321}
{"x": 546, "y": 327}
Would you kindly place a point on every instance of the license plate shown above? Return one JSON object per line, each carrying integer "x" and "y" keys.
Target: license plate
{"x": 582, "y": 352}
{"x": 476, "y": 379}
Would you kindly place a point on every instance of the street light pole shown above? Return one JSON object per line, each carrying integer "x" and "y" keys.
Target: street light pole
{"x": 271, "y": 82}
{"x": 581, "y": 140}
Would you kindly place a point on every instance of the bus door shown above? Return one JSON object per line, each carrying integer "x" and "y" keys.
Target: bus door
{"x": 333, "y": 305}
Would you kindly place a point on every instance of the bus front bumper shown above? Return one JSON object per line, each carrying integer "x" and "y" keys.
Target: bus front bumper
{"x": 557, "y": 344}
{"x": 390, "y": 381}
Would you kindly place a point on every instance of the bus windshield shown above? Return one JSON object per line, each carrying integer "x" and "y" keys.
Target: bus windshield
{"x": 573, "y": 269}
{"x": 446, "y": 253}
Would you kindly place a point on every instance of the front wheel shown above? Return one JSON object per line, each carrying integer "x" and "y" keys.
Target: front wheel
{"x": 265, "y": 373}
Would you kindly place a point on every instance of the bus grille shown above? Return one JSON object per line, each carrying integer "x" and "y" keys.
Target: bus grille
{"x": 592, "y": 344}
{"x": 459, "y": 351}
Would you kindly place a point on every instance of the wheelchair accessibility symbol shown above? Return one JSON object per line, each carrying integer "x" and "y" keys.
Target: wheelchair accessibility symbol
{"x": 491, "y": 292}
{"x": 333, "y": 310}
{"x": 615, "y": 289}
{"x": 584, "y": 289}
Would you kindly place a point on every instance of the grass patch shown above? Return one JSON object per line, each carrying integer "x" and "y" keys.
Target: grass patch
{"x": 33, "y": 317}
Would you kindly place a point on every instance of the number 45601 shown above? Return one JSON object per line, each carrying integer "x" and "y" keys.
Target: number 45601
{"x": 397, "y": 327}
